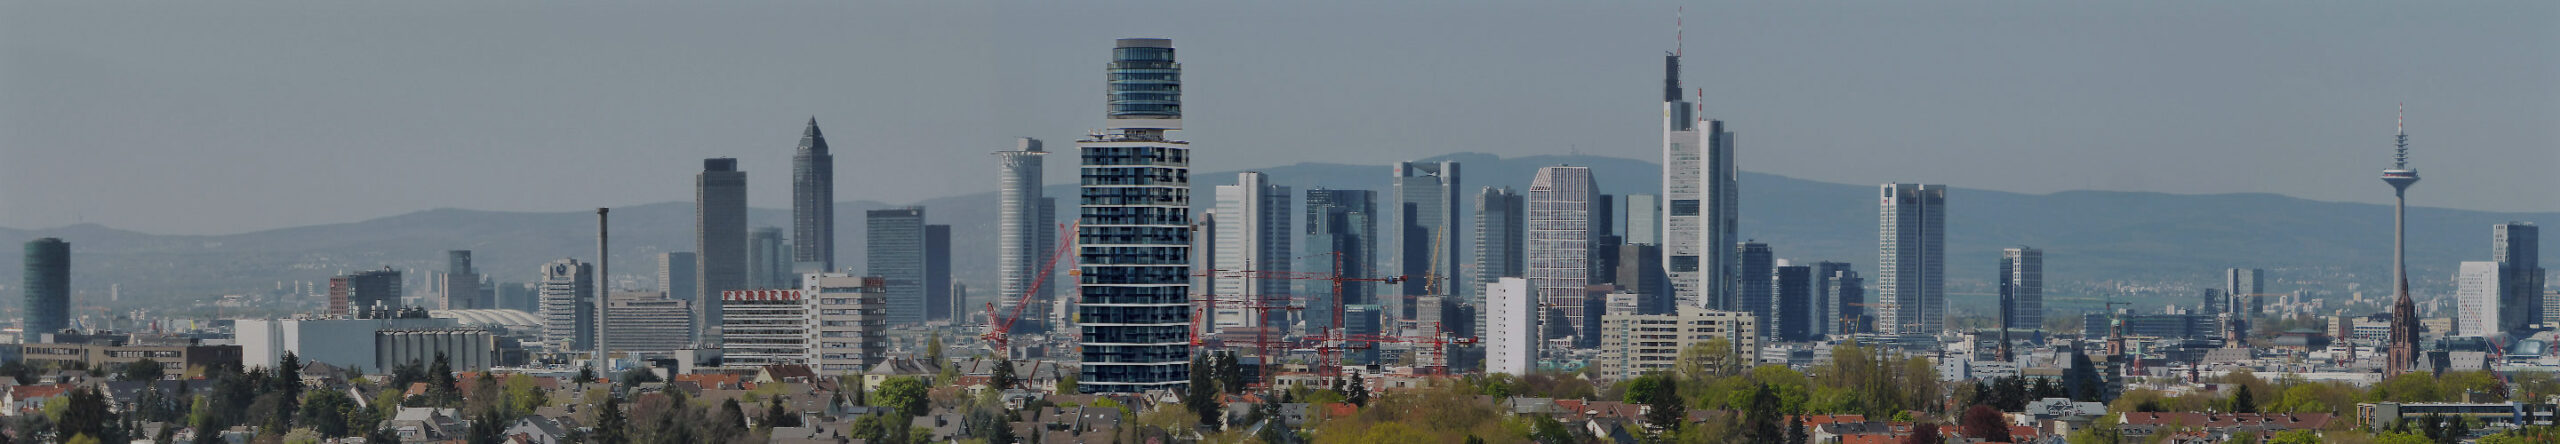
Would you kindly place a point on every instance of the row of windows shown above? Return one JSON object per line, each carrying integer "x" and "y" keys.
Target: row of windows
{"x": 1138, "y": 175}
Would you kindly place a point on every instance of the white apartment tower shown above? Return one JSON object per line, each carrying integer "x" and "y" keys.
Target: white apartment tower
{"x": 1511, "y": 327}
{"x": 1252, "y": 239}
{"x": 848, "y": 318}
{"x": 2477, "y": 307}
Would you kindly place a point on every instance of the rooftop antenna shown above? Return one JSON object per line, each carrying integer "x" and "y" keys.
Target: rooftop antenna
{"x": 2400, "y": 138}
{"x": 1680, "y": 30}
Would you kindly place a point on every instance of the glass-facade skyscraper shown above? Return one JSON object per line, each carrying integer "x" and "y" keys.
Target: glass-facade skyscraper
{"x": 895, "y": 249}
{"x": 720, "y": 241}
{"x": 2517, "y": 247}
{"x": 813, "y": 204}
{"x": 1911, "y": 256}
{"x": 48, "y": 287}
{"x": 1559, "y": 245}
{"x": 1134, "y": 230}
{"x": 1025, "y": 235}
{"x": 2022, "y": 288}
{"x": 1700, "y": 191}
{"x": 1426, "y": 216}
{"x": 1340, "y": 222}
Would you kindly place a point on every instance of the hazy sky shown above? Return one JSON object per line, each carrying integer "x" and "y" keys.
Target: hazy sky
{"x": 219, "y": 117}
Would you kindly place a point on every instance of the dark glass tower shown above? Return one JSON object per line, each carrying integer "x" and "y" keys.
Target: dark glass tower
{"x": 896, "y": 251}
{"x": 720, "y": 241}
{"x": 1340, "y": 222}
{"x": 813, "y": 204}
{"x": 48, "y": 288}
{"x": 1134, "y": 230}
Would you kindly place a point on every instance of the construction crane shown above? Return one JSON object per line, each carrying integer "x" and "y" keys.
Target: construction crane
{"x": 1000, "y": 326}
{"x": 1264, "y": 304}
{"x": 1429, "y": 361}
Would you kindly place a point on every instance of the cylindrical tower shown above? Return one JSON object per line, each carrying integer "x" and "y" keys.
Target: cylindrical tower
{"x": 48, "y": 287}
{"x": 1145, "y": 86}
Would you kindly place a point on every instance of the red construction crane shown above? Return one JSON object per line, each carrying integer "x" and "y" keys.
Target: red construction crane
{"x": 1000, "y": 327}
{"x": 1264, "y": 304}
{"x": 1432, "y": 360}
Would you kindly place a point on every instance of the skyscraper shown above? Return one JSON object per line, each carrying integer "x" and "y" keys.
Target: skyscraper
{"x": 567, "y": 294}
{"x": 1700, "y": 187}
{"x": 937, "y": 272}
{"x": 48, "y": 287}
{"x": 2022, "y": 288}
{"x": 1253, "y": 237}
{"x": 1501, "y": 224}
{"x": 2244, "y": 285}
{"x": 1426, "y": 231}
{"x": 895, "y": 249}
{"x": 769, "y": 260}
{"x": 1755, "y": 295}
{"x": 1511, "y": 327}
{"x": 2517, "y": 247}
{"x": 1134, "y": 232}
{"x": 1023, "y": 221}
{"x": 719, "y": 241}
{"x": 813, "y": 204}
{"x": 1792, "y": 306}
{"x": 675, "y": 277}
{"x": 1559, "y": 244}
{"x": 2478, "y": 308}
{"x": 1911, "y": 260}
{"x": 364, "y": 294}
{"x": 1644, "y": 219}
{"x": 1341, "y": 225}
{"x": 1640, "y": 273}
{"x": 460, "y": 288}
{"x": 2404, "y": 312}
{"x": 1835, "y": 286}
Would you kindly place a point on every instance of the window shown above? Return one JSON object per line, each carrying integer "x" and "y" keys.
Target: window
{"x": 1684, "y": 264}
{"x": 1684, "y": 207}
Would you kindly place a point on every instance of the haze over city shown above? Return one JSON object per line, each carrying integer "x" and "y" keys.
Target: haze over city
{"x": 260, "y": 113}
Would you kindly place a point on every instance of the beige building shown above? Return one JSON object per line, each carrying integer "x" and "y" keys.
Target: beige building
{"x": 1634, "y": 344}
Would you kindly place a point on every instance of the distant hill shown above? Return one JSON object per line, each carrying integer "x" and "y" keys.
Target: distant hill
{"x": 2089, "y": 237}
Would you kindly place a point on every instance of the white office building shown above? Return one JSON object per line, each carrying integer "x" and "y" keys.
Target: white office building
{"x": 848, "y": 318}
{"x": 2475, "y": 295}
{"x": 1701, "y": 191}
{"x": 1559, "y": 245}
{"x": 1911, "y": 260}
{"x": 1252, "y": 239}
{"x": 763, "y": 327}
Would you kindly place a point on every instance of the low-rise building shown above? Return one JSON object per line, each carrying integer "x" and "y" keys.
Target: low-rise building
{"x": 1634, "y": 344}
{"x": 113, "y": 352}
{"x": 2382, "y": 415}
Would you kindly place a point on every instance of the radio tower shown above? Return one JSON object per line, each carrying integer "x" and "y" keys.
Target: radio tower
{"x": 2404, "y": 313}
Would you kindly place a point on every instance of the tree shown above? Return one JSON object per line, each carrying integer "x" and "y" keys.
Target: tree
{"x": 1002, "y": 377}
{"x": 732, "y": 414}
{"x": 328, "y": 412}
{"x": 488, "y": 428}
{"x": 1661, "y": 392}
{"x": 905, "y": 394}
{"x": 1795, "y": 431}
{"x": 1984, "y": 422}
{"x": 586, "y": 374}
{"x": 611, "y": 427}
{"x": 1202, "y": 396}
{"x": 640, "y": 375}
{"x": 1230, "y": 374}
{"x": 1923, "y": 434}
{"x": 85, "y": 413}
{"x": 1761, "y": 416}
{"x": 144, "y": 369}
{"x": 1067, "y": 384}
{"x": 1359, "y": 395}
{"x": 2243, "y": 402}
{"x": 933, "y": 350}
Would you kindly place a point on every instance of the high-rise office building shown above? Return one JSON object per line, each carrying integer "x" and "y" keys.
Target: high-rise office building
{"x": 2477, "y": 307}
{"x": 1134, "y": 233}
{"x": 1511, "y": 330}
{"x": 649, "y": 323}
{"x": 937, "y": 273}
{"x": 2517, "y": 247}
{"x": 1023, "y": 224}
{"x": 675, "y": 277}
{"x": 48, "y": 289}
{"x": 895, "y": 250}
{"x": 765, "y": 327}
{"x": 1911, "y": 260}
{"x": 1640, "y": 274}
{"x": 1701, "y": 189}
{"x": 2022, "y": 288}
{"x": 813, "y": 204}
{"x": 1342, "y": 225}
{"x": 1559, "y": 244}
{"x": 719, "y": 241}
{"x": 568, "y": 312}
{"x": 1253, "y": 238}
{"x": 769, "y": 260}
{"x": 1501, "y": 229}
{"x": 2244, "y": 285}
{"x": 1791, "y": 303}
{"x": 847, "y": 330}
{"x": 460, "y": 286}
{"x": 1754, "y": 294}
{"x": 1644, "y": 219}
{"x": 1835, "y": 286}
{"x": 1426, "y": 215}
{"x": 365, "y": 294}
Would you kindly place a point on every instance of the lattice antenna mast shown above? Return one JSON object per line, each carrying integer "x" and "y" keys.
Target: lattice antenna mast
{"x": 2400, "y": 137}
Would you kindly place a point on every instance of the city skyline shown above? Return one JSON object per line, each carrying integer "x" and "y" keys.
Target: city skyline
{"x": 2286, "y": 139}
